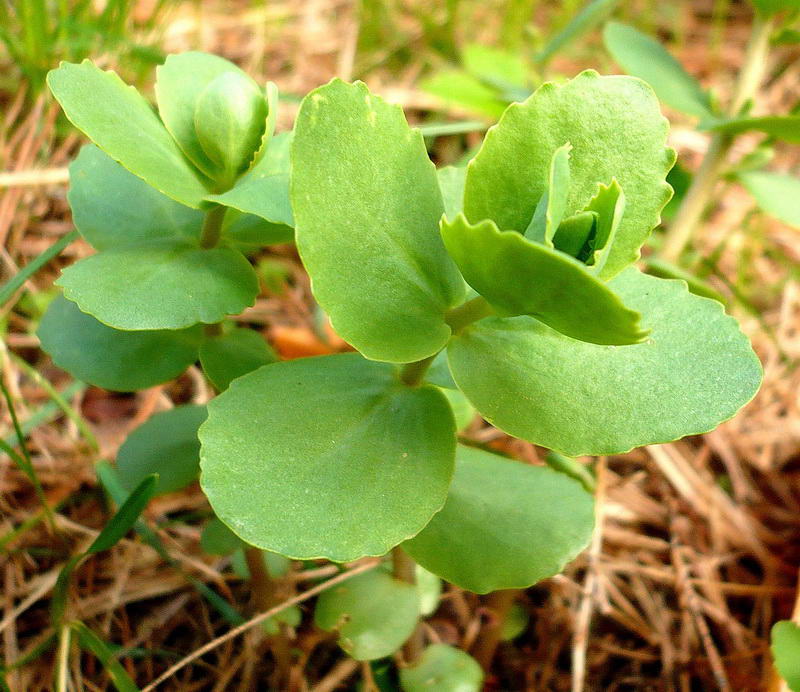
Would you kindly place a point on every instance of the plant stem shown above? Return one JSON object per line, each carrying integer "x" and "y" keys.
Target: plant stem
{"x": 62, "y": 659}
{"x": 212, "y": 226}
{"x": 499, "y": 602}
{"x": 471, "y": 311}
{"x": 412, "y": 373}
{"x": 702, "y": 187}
{"x": 405, "y": 569}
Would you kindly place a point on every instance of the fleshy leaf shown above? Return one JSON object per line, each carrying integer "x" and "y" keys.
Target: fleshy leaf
{"x": 777, "y": 194}
{"x": 609, "y": 205}
{"x": 344, "y": 487}
{"x": 785, "y": 647}
{"x": 119, "y": 121}
{"x": 373, "y": 613}
{"x": 553, "y": 202}
{"x": 233, "y": 354}
{"x": 165, "y": 444}
{"x": 617, "y": 131}
{"x": 784, "y": 127}
{"x": 451, "y": 184}
{"x": 505, "y": 525}
{"x": 248, "y": 232}
{"x": 179, "y": 83}
{"x": 695, "y": 370}
{"x": 264, "y": 190}
{"x": 100, "y": 196}
{"x": 367, "y": 204}
{"x": 122, "y": 361}
{"x": 442, "y": 668}
{"x": 575, "y": 232}
{"x": 218, "y": 539}
{"x": 520, "y": 277}
{"x": 647, "y": 59}
{"x": 161, "y": 285}
{"x": 429, "y": 589}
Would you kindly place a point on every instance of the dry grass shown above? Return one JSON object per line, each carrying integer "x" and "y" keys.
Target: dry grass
{"x": 697, "y": 546}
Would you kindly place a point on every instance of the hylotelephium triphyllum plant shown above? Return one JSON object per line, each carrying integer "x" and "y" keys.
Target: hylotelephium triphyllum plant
{"x": 511, "y": 281}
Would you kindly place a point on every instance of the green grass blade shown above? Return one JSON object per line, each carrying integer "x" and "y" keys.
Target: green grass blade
{"x": 126, "y": 517}
{"x": 92, "y": 643}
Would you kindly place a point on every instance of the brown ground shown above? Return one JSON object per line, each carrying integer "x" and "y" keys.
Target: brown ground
{"x": 698, "y": 542}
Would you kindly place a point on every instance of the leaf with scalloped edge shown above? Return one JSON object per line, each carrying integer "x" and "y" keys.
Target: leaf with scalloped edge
{"x": 550, "y": 207}
{"x": 451, "y": 183}
{"x": 333, "y": 451}
{"x": 521, "y": 277}
{"x": 367, "y": 205}
{"x": 119, "y": 120}
{"x": 616, "y": 130}
{"x": 609, "y": 205}
{"x": 695, "y": 371}
{"x": 161, "y": 285}
{"x": 233, "y": 354}
{"x": 505, "y": 525}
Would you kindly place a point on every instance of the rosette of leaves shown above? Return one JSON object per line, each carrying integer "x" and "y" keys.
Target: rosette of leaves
{"x": 170, "y": 201}
{"x": 559, "y": 340}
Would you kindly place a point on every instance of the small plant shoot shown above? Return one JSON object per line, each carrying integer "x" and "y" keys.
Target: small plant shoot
{"x": 507, "y": 287}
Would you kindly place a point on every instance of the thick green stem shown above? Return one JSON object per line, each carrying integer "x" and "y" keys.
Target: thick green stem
{"x": 471, "y": 311}
{"x": 714, "y": 162}
{"x": 499, "y": 604}
{"x": 212, "y": 226}
{"x": 405, "y": 569}
{"x": 412, "y": 373}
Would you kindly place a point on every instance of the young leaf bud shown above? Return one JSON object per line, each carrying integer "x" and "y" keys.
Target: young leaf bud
{"x": 229, "y": 120}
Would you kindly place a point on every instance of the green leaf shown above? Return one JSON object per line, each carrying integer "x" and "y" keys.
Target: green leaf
{"x": 786, "y": 652}
{"x": 784, "y": 127}
{"x": 264, "y": 190}
{"x": 92, "y": 643}
{"x": 609, "y": 206}
{"x": 695, "y": 371}
{"x": 520, "y": 277}
{"x": 166, "y": 285}
{"x": 126, "y": 516}
{"x": 367, "y": 204}
{"x": 165, "y": 444}
{"x": 770, "y": 7}
{"x": 589, "y": 17}
{"x": 451, "y": 183}
{"x": 777, "y": 194}
{"x": 617, "y": 131}
{"x": 231, "y": 355}
{"x": 119, "y": 121}
{"x": 347, "y": 485}
{"x": 462, "y": 89}
{"x": 250, "y": 233}
{"x": 429, "y": 587}
{"x": 515, "y": 623}
{"x": 373, "y": 613}
{"x": 442, "y": 668}
{"x": 575, "y": 233}
{"x": 505, "y": 525}
{"x": 497, "y": 67}
{"x": 218, "y": 539}
{"x": 100, "y": 197}
{"x": 553, "y": 202}
{"x": 647, "y": 59}
{"x": 121, "y": 361}
{"x": 463, "y": 411}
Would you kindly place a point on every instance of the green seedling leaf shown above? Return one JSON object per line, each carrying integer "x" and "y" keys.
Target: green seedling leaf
{"x": 100, "y": 196}
{"x": 786, "y": 652}
{"x": 451, "y": 183}
{"x": 215, "y": 111}
{"x": 575, "y": 233}
{"x": 466, "y": 91}
{"x": 121, "y": 361}
{"x": 366, "y": 201}
{"x": 617, "y": 131}
{"x": 250, "y": 233}
{"x": 499, "y": 68}
{"x": 229, "y": 120}
{"x": 119, "y": 121}
{"x": 165, "y": 444}
{"x": 583, "y": 22}
{"x": 291, "y": 617}
{"x": 770, "y": 7}
{"x": 647, "y": 59}
{"x": 516, "y": 622}
{"x": 505, "y": 524}
{"x": 373, "y": 613}
{"x": 166, "y": 285}
{"x": 439, "y": 372}
{"x": 233, "y": 354}
{"x": 429, "y": 587}
{"x": 609, "y": 206}
{"x": 218, "y": 539}
{"x": 346, "y": 487}
{"x": 776, "y": 193}
{"x": 694, "y": 371}
{"x": 264, "y": 190}
{"x": 90, "y": 642}
{"x": 572, "y": 468}
{"x": 520, "y": 277}
{"x": 463, "y": 411}
{"x": 784, "y": 127}
{"x": 126, "y": 516}
{"x": 553, "y": 202}
{"x": 443, "y": 668}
